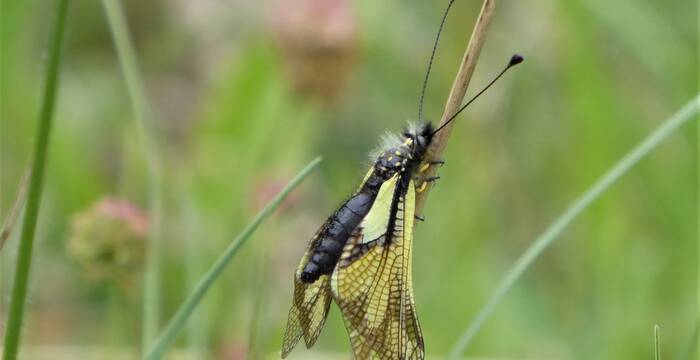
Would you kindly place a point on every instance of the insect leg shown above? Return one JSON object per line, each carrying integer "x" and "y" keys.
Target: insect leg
{"x": 432, "y": 179}
{"x": 422, "y": 187}
{"x": 425, "y": 166}
{"x": 424, "y": 183}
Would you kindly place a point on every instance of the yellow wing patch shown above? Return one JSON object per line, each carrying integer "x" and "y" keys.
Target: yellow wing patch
{"x": 375, "y": 223}
{"x": 372, "y": 286}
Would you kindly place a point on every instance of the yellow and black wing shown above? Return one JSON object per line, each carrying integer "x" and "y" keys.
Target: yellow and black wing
{"x": 372, "y": 281}
{"x": 309, "y": 307}
{"x": 310, "y": 303}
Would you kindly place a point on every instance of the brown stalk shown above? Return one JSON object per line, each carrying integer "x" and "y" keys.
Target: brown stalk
{"x": 459, "y": 89}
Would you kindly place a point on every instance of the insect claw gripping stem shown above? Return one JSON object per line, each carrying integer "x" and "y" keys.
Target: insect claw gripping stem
{"x": 426, "y": 166}
{"x": 424, "y": 183}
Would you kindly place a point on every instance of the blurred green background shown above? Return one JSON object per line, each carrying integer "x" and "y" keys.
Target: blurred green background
{"x": 245, "y": 93}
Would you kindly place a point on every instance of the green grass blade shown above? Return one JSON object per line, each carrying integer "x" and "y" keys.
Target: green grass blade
{"x": 24, "y": 257}
{"x": 195, "y": 297}
{"x": 143, "y": 115}
{"x": 657, "y": 343}
{"x": 684, "y": 115}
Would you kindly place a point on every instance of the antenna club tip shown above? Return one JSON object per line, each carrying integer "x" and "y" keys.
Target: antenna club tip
{"x": 515, "y": 60}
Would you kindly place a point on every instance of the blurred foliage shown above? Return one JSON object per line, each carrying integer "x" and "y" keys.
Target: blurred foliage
{"x": 235, "y": 125}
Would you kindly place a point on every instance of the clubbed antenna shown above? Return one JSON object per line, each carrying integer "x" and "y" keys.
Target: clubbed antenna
{"x": 514, "y": 60}
{"x": 430, "y": 62}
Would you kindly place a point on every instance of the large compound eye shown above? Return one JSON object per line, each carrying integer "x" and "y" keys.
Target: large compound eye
{"x": 421, "y": 141}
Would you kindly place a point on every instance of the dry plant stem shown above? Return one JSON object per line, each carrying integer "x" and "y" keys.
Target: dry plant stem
{"x": 13, "y": 330}
{"x": 19, "y": 201}
{"x": 459, "y": 89}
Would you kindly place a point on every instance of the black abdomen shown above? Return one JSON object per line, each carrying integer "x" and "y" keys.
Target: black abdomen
{"x": 335, "y": 233}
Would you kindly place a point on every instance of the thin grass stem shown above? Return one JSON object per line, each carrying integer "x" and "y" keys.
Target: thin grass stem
{"x": 143, "y": 115}
{"x": 24, "y": 257}
{"x": 657, "y": 343}
{"x": 668, "y": 127}
{"x": 180, "y": 318}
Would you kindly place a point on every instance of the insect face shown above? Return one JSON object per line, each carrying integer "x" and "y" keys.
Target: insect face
{"x": 422, "y": 136}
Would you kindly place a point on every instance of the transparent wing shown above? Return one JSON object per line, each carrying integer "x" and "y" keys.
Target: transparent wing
{"x": 310, "y": 303}
{"x": 309, "y": 307}
{"x": 372, "y": 286}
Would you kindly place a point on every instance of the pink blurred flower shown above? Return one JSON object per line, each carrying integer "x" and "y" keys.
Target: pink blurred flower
{"x": 107, "y": 240}
{"x": 318, "y": 41}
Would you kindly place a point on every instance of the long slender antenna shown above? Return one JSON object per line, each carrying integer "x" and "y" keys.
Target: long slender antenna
{"x": 430, "y": 62}
{"x": 514, "y": 60}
